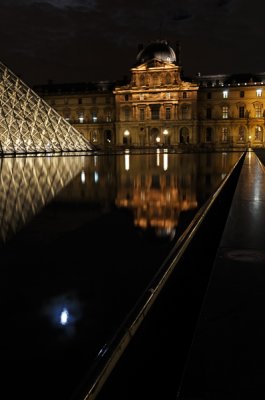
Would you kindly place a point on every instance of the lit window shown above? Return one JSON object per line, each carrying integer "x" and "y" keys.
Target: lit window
{"x": 258, "y": 110}
{"x": 225, "y": 94}
{"x": 224, "y": 134}
{"x": 167, "y": 96}
{"x": 259, "y": 92}
{"x": 81, "y": 118}
{"x": 225, "y": 112}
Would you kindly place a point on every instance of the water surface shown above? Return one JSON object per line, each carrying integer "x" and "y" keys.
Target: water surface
{"x": 81, "y": 238}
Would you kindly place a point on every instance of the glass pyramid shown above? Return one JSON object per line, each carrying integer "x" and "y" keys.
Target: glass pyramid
{"x": 29, "y": 125}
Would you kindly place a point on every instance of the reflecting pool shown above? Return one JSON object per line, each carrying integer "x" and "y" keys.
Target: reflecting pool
{"x": 80, "y": 239}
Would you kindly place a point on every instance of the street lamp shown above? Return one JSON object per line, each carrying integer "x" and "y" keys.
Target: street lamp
{"x": 126, "y": 135}
{"x": 165, "y": 133}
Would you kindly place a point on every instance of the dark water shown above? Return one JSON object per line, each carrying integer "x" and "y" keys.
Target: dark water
{"x": 81, "y": 238}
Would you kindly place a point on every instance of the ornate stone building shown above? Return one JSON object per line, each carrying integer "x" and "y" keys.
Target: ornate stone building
{"x": 231, "y": 110}
{"x": 157, "y": 106}
{"x": 90, "y": 107}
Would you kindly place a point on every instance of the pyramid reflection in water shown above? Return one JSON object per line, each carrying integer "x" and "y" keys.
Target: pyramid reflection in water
{"x": 27, "y": 184}
{"x": 29, "y": 125}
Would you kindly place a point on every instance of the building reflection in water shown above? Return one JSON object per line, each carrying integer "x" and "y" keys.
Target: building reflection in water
{"x": 157, "y": 191}
{"x": 156, "y": 188}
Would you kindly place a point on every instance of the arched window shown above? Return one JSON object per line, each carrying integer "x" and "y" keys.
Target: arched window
{"x": 184, "y": 135}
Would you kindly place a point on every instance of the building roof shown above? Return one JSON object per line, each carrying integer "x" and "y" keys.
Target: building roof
{"x": 159, "y": 50}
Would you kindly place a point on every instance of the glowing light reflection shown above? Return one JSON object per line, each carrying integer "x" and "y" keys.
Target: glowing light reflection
{"x": 158, "y": 159}
{"x": 64, "y": 317}
{"x": 165, "y": 161}
{"x": 96, "y": 177}
{"x": 127, "y": 161}
{"x": 83, "y": 177}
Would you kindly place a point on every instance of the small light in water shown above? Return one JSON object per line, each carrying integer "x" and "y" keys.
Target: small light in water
{"x": 64, "y": 317}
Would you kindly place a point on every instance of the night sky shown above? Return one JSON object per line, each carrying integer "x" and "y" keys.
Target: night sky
{"x": 91, "y": 40}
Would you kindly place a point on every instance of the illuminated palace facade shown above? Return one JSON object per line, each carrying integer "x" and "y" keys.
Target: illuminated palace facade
{"x": 157, "y": 106}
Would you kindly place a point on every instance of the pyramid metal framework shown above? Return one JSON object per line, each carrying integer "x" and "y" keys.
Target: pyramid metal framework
{"x": 27, "y": 184}
{"x": 28, "y": 125}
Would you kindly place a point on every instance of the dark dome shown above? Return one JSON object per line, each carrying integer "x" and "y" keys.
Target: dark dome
{"x": 159, "y": 50}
